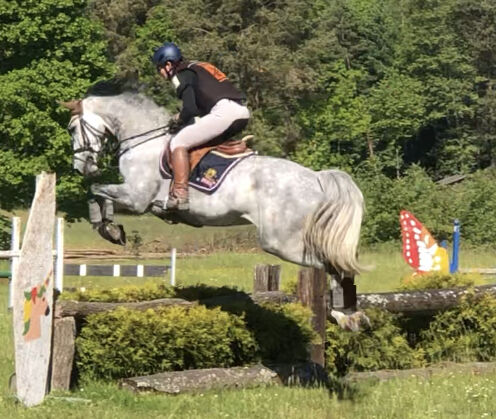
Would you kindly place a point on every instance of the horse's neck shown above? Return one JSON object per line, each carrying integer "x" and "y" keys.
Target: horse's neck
{"x": 142, "y": 139}
{"x": 146, "y": 148}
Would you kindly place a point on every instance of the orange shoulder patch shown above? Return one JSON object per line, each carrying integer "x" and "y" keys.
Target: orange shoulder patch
{"x": 214, "y": 71}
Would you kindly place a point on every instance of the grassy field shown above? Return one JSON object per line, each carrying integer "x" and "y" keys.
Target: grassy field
{"x": 214, "y": 263}
{"x": 446, "y": 395}
{"x": 226, "y": 256}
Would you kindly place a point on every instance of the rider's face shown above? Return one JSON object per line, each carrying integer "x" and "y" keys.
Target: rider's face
{"x": 166, "y": 71}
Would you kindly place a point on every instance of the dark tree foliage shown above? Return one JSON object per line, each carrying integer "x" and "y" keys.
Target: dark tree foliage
{"x": 49, "y": 51}
{"x": 374, "y": 87}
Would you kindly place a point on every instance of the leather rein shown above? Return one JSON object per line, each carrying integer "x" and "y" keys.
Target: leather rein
{"x": 86, "y": 128}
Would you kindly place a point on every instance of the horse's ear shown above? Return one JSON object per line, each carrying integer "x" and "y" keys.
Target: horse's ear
{"x": 74, "y": 106}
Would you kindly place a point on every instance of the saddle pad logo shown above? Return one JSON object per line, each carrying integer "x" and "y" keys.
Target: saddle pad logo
{"x": 209, "y": 178}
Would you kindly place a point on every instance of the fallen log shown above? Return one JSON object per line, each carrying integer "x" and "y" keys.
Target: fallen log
{"x": 274, "y": 297}
{"x": 81, "y": 309}
{"x": 424, "y": 302}
{"x": 193, "y": 381}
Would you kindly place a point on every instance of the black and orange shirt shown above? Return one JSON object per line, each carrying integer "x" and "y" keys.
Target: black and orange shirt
{"x": 200, "y": 86}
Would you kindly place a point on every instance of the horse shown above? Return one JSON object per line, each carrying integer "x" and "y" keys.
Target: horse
{"x": 302, "y": 216}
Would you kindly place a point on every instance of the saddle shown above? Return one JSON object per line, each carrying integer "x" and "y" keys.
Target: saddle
{"x": 230, "y": 148}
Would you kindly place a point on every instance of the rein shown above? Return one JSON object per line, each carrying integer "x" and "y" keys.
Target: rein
{"x": 164, "y": 129}
{"x": 87, "y": 127}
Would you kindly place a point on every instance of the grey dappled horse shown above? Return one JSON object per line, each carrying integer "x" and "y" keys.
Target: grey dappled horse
{"x": 302, "y": 216}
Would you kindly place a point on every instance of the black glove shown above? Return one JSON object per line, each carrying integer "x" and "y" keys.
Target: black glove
{"x": 174, "y": 125}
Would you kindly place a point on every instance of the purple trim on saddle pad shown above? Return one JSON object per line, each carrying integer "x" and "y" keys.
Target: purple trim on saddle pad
{"x": 209, "y": 173}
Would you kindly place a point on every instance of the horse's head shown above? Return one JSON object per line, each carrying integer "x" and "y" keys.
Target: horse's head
{"x": 88, "y": 135}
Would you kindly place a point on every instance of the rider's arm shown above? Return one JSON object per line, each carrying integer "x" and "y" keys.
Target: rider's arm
{"x": 186, "y": 92}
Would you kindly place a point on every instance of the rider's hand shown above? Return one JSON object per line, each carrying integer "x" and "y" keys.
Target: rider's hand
{"x": 175, "y": 124}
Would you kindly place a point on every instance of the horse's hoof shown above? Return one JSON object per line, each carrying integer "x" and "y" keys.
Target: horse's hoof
{"x": 355, "y": 322}
{"x": 112, "y": 232}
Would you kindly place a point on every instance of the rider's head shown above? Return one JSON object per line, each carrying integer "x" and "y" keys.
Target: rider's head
{"x": 166, "y": 58}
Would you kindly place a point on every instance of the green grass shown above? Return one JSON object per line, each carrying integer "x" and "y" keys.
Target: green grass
{"x": 447, "y": 395}
{"x": 386, "y": 269}
{"x": 443, "y": 396}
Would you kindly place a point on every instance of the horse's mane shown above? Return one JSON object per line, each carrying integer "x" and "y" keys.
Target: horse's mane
{"x": 114, "y": 87}
{"x": 126, "y": 91}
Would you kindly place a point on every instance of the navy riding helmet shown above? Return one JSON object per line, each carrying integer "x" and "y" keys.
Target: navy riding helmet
{"x": 169, "y": 51}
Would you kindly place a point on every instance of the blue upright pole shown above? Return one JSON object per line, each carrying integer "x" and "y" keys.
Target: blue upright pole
{"x": 456, "y": 247}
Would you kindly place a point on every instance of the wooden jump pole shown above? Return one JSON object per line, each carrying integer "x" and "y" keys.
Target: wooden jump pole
{"x": 266, "y": 278}
{"x": 33, "y": 296}
{"x": 59, "y": 252}
{"x": 14, "y": 261}
{"x": 311, "y": 291}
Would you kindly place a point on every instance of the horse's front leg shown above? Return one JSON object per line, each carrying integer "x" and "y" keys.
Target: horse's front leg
{"x": 125, "y": 196}
{"x": 101, "y": 208}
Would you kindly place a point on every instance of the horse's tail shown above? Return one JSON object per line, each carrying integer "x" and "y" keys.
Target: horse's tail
{"x": 332, "y": 232}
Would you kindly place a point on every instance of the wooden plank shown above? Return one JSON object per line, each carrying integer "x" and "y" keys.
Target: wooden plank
{"x": 482, "y": 271}
{"x": 312, "y": 290}
{"x": 266, "y": 278}
{"x": 33, "y": 296}
{"x": 81, "y": 309}
{"x": 71, "y": 269}
{"x": 64, "y": 333}
{"x": 14, "y": 263}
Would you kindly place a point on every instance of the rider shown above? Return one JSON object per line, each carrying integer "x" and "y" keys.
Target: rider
{"x": 212, "y": 107}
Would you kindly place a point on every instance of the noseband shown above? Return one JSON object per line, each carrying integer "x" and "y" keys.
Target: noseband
{"x": 85, "y": 128}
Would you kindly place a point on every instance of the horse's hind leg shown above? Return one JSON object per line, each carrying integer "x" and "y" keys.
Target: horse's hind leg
{"x": 343, "y": 292}
{"x": 344, "y": 302}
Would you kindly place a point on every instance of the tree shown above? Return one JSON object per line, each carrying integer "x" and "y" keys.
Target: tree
{"x": 49, "y": 51}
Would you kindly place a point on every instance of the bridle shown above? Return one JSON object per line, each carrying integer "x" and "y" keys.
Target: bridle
{"x": 116, "y": 150}
{"x": 84, "y": 128}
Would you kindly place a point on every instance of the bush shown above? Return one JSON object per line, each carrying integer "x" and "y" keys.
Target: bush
{"x": 146, "y": 292}
{"x": 125, "y": 343}
{"x": 464, "y": 333}
{"x": 283, "y": 332}
{"x": 383, "y": 346}
{"x": 473, "y": 202}
{"x": 124, "y": 294}
{"x": 438, "y": 280}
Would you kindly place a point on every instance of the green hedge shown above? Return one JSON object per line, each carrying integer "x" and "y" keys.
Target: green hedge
{"x": 438, "y": 280}
{"x": 127, "y": 343}
{"x": 383, "y": 347}
{"x": 464, "y": 333}
{"x": 473, "y": 202}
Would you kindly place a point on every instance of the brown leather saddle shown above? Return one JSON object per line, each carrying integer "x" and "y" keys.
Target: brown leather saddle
{"x": 229, "y": 148}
